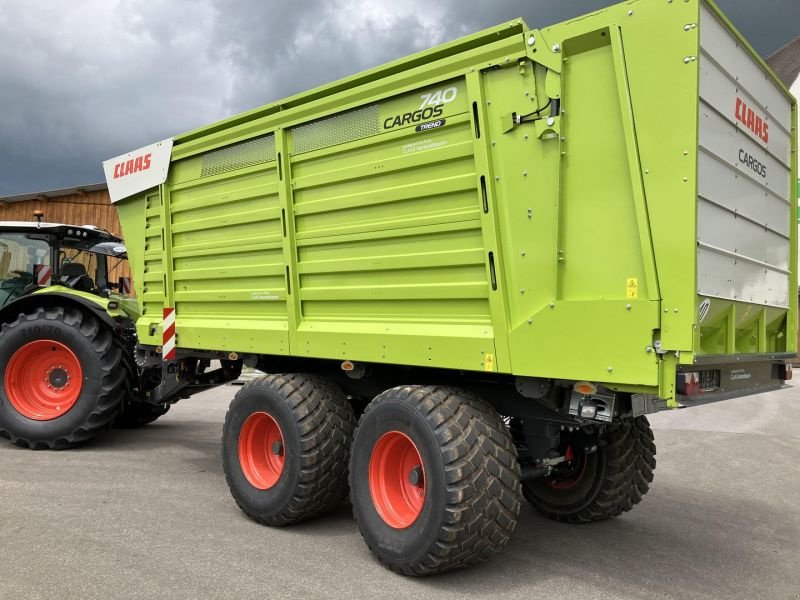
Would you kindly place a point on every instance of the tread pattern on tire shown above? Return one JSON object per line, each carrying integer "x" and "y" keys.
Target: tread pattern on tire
{"x": 326, "y": 423}
{"x": 482, "y": 476}
{"x": 115, "y": 377}
{"x": 631, "y": 459}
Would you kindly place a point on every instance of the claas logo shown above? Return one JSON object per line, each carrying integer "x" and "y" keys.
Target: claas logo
{"x": 748, "y": 117}
{"x": 133, "y": 165}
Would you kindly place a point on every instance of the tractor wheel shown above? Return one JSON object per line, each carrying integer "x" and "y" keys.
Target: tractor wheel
{"x": 434, "y": 479}
{"x": 139, "y": 414}
{"x": 600, "y": 485}
{"x": 63, "y": 378}
{"x": 285, "y": 446}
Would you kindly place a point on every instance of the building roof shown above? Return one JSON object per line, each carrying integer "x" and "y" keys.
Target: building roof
{"x": 786, "y": 62}
{"x": 50, "y": 194}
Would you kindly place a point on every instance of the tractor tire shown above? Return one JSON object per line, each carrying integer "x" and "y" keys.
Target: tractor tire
{"x": 434, "y": 479}
{"x": 285, "y": 446}
{"x": 139, "y": 414}
{"x": 605, "y": 483}
{"x": 63, "y": 378}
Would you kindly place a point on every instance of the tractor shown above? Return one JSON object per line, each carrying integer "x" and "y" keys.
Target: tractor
{"x": 68, "y": 362}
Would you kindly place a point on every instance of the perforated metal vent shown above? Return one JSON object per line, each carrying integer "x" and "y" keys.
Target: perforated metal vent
{"x": 346, "y": 127}
{"x": 238, "y": 156}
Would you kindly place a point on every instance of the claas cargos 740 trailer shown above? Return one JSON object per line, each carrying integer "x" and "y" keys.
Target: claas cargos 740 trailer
{"x": 498, "y": 255}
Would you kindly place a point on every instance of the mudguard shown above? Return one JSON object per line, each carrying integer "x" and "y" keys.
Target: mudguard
{"x": 96, "y": 306}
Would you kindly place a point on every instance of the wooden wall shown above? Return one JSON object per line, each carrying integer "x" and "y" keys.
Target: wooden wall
{"x": 89, "y": 208}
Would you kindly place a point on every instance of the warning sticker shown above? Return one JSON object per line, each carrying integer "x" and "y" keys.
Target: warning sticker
{"x": 488, "y": 362}
{"x": 632, "y": 287}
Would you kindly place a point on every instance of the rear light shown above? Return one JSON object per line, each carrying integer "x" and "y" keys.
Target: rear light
{"x": 688, "y": 384}
{"x": 697, "y": 382}
{"x": 787, "y": 376}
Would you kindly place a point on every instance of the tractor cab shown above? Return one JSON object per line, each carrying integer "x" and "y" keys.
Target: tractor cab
{"x": 83, "y": 258}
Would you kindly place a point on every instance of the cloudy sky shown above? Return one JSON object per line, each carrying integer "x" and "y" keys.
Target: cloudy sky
{"x": 85, "y": 80}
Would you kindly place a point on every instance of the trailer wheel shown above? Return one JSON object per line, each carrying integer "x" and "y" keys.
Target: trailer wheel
{"x": 285, "y": 447}
{"x": 63, "y": 378}
{"x": 603, "y": 484}
{"x": 139, "y": 414}
{"x": 434, "y": 479}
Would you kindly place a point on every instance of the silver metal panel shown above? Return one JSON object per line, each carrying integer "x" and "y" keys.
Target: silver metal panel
{"x": 716, "y": 41}
{"x": 760, "y": 286}
{"x": 733, "y": 146}
{"x": 725, "y": 276}
{"x": 744, "y": 207}
{"x": 720, "y": 93}
{"x": 723, "y": 229}
{"x": 720, "y": 184}
{"x": 715, "y": 274}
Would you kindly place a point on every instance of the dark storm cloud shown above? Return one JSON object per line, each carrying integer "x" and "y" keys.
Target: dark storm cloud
{"x": 84, "y": 81}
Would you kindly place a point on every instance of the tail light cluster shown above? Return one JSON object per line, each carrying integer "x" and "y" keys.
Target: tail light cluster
{"x": 697, "y": 382}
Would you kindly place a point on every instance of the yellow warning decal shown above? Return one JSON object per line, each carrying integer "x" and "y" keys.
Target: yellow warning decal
{"x": 488, "y": 362}
{"x": 632, "y": 287}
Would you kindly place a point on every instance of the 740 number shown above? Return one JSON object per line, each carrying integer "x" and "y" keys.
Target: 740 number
{"x": 439, "y": 97}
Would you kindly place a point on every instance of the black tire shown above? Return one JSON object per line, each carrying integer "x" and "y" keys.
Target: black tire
{"x": 610, "y": 481}
{"x": 317, "y": 424}
{"x": 105, "y": 378}
{"x": 139, "y": 414}
{"x": 471, "y": 479}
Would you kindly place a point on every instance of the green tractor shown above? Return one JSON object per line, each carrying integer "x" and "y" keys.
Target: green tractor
{"x": 68, "y": 362}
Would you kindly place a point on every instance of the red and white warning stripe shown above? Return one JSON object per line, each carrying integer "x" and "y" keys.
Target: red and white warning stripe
{"x": 168, "y": 342}
{"x": 125, "y": 286}
{"x": 44, "y": 274}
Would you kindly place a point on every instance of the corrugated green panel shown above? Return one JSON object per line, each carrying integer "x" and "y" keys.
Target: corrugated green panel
{"x": 230, "y": 290}
{"x": 152, "y": 287}
{"x": 140, "y": 217}
{"x": 389, "y": 238}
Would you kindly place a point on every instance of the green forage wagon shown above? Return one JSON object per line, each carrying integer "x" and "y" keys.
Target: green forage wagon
{"x": 471, "y": 273}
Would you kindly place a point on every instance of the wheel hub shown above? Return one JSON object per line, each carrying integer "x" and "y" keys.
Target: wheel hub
{"x": 277, "y": 448}
{"x": 58, "y": 377}
{"x": 415, "y": 476}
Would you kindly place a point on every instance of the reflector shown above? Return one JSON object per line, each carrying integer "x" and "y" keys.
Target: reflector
{"x": 585, "y": 388}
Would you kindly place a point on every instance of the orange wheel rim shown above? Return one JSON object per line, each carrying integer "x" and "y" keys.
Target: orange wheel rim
{"x": 397, "y": 480}
{"x": 43, "y": 380}
{"x": 261, "y": 450}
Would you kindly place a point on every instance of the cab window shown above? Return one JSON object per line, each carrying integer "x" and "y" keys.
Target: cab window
{"x": 19, "y": 256}
{"x": 88, "y": 260}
